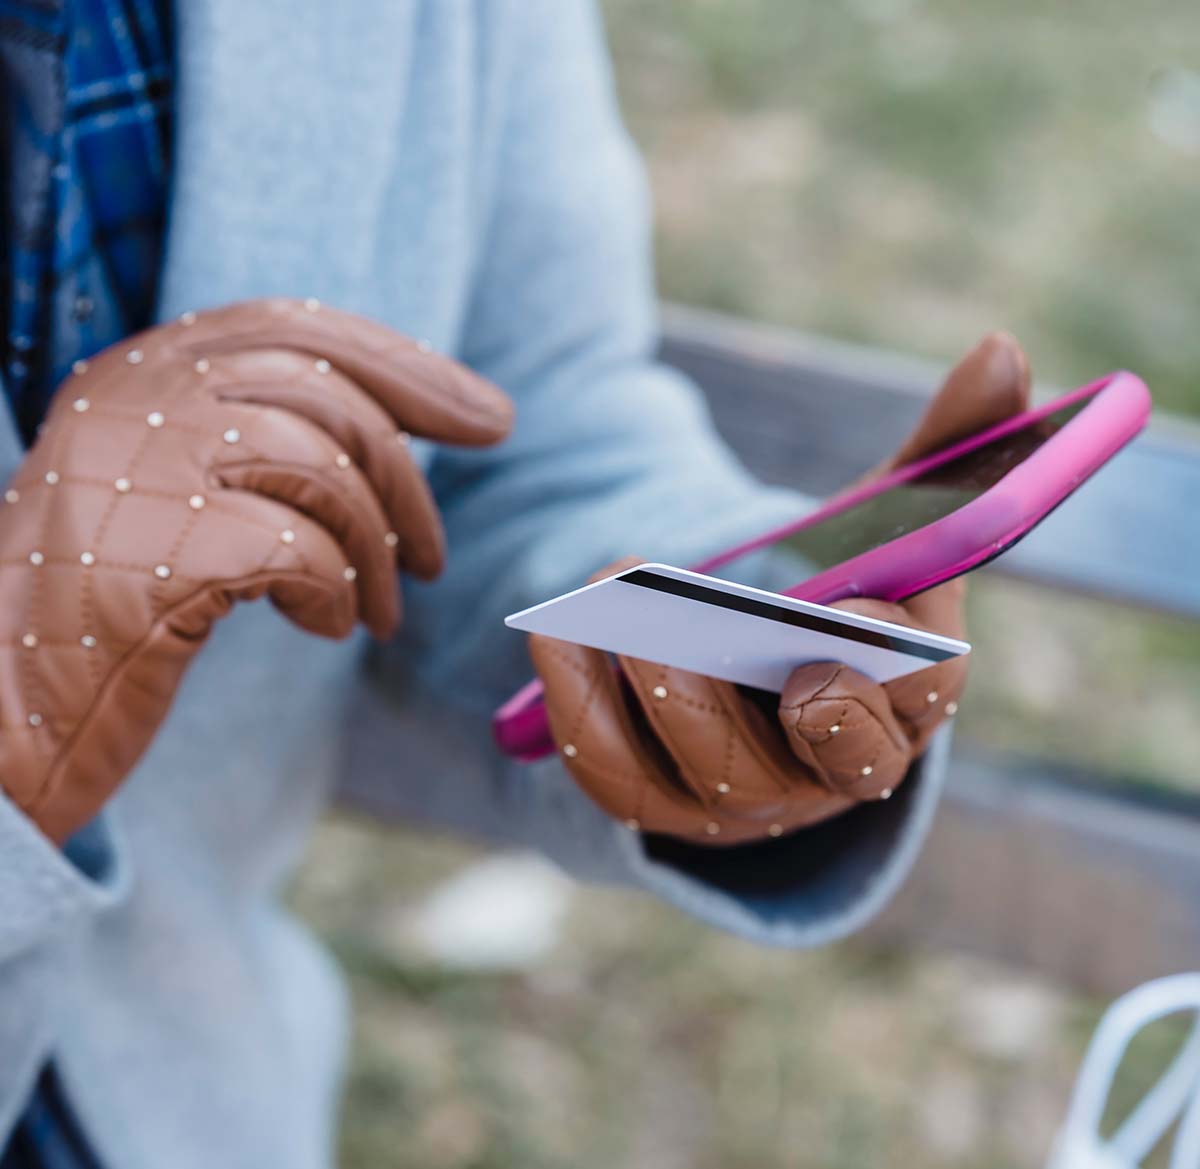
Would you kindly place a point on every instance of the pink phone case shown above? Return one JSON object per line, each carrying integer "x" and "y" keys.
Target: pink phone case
{"x": 944, "y": 549}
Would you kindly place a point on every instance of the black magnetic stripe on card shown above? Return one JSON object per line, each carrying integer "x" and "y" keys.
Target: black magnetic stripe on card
{"x": 753, "y": 607}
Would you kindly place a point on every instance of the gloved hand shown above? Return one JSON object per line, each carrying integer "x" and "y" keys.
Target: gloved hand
{"x": 254, "y": 450}
{"x": 673, "y": 752}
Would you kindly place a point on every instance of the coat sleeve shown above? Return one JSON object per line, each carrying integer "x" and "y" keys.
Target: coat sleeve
{"x": 612, "y": 453}
{"x": 49, "y": 899}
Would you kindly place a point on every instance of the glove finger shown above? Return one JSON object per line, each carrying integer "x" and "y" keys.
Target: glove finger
{"x": 991, "y": 383}
{"x": 728, "y": 754}
{"x": 305, "y": 578}
{"x": 423, "y": 392}
{"x": 920, "y": 701}
{"x": 840, "y": 723}
{"x": 144, "y": 522}
{"x": 99, "y": 733}
{"x": 361, "y": 428}
{"x": 234, "y": 551}
{"x": 617, "y": 762}
{"x": 281, "y": 456}
{"x": 938, "y": 610}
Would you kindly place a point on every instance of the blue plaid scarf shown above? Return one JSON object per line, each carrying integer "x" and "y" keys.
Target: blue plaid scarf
{"x": 84, "y": 147}
{"x": 84, "y": 167}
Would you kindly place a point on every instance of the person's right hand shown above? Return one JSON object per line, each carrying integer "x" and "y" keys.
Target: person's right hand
{"x": 257, "y": 449}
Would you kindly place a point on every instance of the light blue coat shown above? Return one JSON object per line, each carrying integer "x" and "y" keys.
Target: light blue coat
{"x": 457, "y": 169}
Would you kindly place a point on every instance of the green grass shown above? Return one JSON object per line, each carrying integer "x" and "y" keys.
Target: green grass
{"x": 1111, "y": 691}
{"x": 646, "y": 1040}
{"x": 913, "y": 174}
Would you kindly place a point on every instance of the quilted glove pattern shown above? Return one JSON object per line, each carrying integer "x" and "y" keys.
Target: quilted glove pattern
{"x": 673, "y": 752}
{"x": 255, "y": 450}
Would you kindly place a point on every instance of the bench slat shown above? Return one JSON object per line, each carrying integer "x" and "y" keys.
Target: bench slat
{"x": 1093, "y": 890}
{"x": 1131, "y": 535}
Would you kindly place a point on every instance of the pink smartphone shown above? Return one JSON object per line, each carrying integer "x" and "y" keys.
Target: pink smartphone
{"x": 923, "y": 524}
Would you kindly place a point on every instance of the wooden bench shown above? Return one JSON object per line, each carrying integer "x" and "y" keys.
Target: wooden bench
{"x": 1097, "y": 887}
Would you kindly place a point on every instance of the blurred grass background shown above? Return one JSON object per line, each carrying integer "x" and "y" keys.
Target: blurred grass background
{"x": 911, "y": 174}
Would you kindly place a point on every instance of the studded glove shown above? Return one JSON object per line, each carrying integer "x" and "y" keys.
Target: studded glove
{"x": 254, "y": 450}
{"x": 673, "y": 752}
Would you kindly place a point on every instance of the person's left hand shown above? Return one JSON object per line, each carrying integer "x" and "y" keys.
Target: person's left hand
{"x": 673, "y": 752}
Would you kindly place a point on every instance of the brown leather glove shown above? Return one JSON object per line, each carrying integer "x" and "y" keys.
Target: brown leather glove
{"x": 678, "y": 753}
{"x": 255, "y": 450}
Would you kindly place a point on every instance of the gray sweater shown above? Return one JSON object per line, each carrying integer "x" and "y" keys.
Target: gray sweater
{"x": 457, "y": 169}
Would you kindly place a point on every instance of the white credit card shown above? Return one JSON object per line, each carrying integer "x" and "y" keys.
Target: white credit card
{"x": 709, "y": 626}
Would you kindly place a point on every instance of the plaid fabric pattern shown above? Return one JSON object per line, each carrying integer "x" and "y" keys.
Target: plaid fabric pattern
{"x": 48, "y": 1135}
{"x": 86, "y": 156}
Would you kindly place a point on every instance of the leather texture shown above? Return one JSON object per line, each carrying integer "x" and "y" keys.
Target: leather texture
{"x": 255, "y": 450}
{"x": 672, "y": 752}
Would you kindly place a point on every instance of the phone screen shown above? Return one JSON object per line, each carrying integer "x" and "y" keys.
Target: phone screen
{"x": 893, "y": 513}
